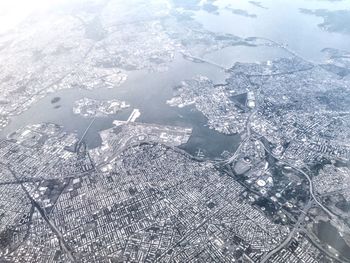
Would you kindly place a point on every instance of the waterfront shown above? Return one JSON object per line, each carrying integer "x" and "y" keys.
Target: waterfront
{"x": 328, "y": 234}
{"x": 144, "y": 90}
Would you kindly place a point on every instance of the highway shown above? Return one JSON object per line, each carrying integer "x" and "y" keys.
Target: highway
{"x": 42, "y": 212}
{"x": 248, "y": 131}
{"x": 202, "y": 60}
{"x": 303, "y": 214}
{"x": 311, "y": 187}
{"x": 296, "y": 227}
{"x": 86, "y": 130}
{"x": 306, "y": 208}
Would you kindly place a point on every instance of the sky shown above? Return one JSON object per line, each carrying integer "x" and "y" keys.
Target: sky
{"x": 13, "y": 12}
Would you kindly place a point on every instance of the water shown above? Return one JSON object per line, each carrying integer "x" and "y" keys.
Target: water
{"x": 329, "y": 235}
{"x": 282, "y": 22}
{"x": 147, "y": 91}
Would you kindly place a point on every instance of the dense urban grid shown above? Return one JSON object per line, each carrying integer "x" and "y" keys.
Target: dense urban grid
{"x": 281, "y": 195}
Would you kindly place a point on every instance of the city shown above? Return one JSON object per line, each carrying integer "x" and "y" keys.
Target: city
{"x": 176, "y": 131}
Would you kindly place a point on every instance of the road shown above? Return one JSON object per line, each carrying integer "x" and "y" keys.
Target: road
{"x": 202, "y": 60}
{"x": 86, "y": 130}
{"x": 42, "y": 212}
{"x": 306, "y": 208}
{"x": 248, "y": 132}
{"x": 303, "y": 214}
{"x": 311, "y": 189}
{"x": 189, "y": 234}
{"x": 291, "y": 234}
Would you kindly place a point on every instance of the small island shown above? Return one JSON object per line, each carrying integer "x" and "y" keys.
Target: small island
{"x": 95, "y": 108}
{"x": 55, "y": 100}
